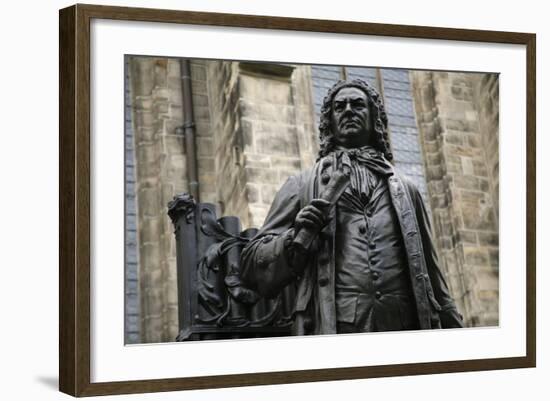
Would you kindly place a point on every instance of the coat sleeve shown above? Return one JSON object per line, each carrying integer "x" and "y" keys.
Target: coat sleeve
{"x": 266, "y": 260}
{"x": 448, "y": 313}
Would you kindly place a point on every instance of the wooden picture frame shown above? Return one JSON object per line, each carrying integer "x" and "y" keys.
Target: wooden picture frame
{"x": 75, "y": 199}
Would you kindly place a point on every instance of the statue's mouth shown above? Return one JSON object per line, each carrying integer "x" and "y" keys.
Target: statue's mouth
{"x": 349, "y": 124}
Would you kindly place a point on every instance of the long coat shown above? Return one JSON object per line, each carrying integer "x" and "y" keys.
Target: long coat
{"x": 267, "y": 266}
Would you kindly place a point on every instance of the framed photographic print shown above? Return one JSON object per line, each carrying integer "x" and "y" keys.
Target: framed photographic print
{"x": 251, "y": 200}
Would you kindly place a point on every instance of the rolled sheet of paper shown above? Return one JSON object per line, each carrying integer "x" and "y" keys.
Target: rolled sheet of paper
{"x": 332, "y": 192}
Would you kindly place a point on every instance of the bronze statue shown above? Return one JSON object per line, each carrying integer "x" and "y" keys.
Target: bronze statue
{"x": 350, "y": 233}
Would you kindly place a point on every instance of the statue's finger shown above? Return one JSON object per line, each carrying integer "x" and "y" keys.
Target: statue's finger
{"x": 312, "y": 220}
{"x": 320, "y": 203}
{"x": 310, "y": 223}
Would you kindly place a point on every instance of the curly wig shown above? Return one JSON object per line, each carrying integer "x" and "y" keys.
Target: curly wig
{"x": 378, "y": 114}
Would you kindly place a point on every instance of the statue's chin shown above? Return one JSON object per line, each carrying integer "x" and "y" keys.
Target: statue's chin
{"x": 351, "y": 139}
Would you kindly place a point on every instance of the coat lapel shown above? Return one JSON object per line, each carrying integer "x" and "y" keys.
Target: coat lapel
{"x": 409, "y": 228}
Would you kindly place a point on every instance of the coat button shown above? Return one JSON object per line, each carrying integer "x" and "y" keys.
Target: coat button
{"x": 372, "y": 245}
{"x": 325, "y": 178}
{"x": 375, "y": 276}
{"x": 323, "y": 281}
{"x": 327, "y": 163}
{"x": 378, "y": 294}
{"x": 362, "y": 229}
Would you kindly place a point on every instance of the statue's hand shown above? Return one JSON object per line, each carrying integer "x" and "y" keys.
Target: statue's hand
{"x": 314, "y": 216}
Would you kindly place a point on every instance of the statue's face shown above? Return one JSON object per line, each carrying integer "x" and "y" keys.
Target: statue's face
{"x": 351, "y": 120}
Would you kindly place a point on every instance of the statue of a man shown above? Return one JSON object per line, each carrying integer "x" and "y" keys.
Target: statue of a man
{"x": 372, "y": 264}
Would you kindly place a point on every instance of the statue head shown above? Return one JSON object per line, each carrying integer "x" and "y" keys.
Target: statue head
{"x": 352, "y": 116}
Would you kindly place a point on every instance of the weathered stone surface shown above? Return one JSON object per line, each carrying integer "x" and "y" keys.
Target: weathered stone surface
{"x": 467, "y": 237}
{"x": 476, "y": 256}
{"x": 161, "y": 169}
{"x": 252, "y": 193}
{"x": 262, "y": 175}
{"x": 488, "y": 238}
{"x": 460, "y": 133}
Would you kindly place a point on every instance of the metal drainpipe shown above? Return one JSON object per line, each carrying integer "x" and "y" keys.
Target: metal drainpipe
{"x": 189, "y": 128}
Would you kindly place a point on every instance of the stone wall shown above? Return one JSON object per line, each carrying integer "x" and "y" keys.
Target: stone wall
{"x": 486, "y": 92}
{"x": 459, "y": 131}
{"x": 161, "y": 172}
{"x": 263, "y": 132}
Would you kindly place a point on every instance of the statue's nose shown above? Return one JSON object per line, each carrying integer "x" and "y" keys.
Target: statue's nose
{"x": 348, "y": 108}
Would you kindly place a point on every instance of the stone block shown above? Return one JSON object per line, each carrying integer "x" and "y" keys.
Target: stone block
{"x": 268, "y": 193}
{"x": 174, "y": 144}
{"x": 480, "y": 169}
{"x": 472, "y": 197}
{"x": 467, "y": 237}
{"x": 161, "y": 106}
{"x": 276, "y": 113}
{"x": 486, "y": 281}
{"x": 257, "y": 214}
{"x": 290, "y": 163}
{"x": 252, "y": 193}
{"x": 147, "y": 160}
{"x": 465, "y": 182}
{"x": 150, "y": 262}
{"x": 467, "y": 165}
{"x": 488, "y": 238}
{"x": 202, "y": 114}
{"x": 174, "y": 169}
{"x": 478, "y": 218}
{"x": 278, "y": 145}
{"x": 160, "y": 94}
{"x": 473, "y": 140}
{"x": 246, "y": 132}
{"x": 205, "y": 147}
{"x": 261, "y": 175}
{"x": 150, "y": 229}
{"x": 160, "y": 72}
{"x": 265, "y": 90}
{"x": 483, "y": 184}
{"x": 198, "y": 72}
{"x": 434, "y": 172}
{"x": 199, "y": 101}
{"x": 203, "y": 128}
{"x": 143, "y": 118}
{"x": 142, "y": 75}
{"x": 199, "y": 87}
{"x": 432, "y": 159}
{"x": 258, "y": 161}
{"x": 149, "y": 201}
{"x": 494, "y": 257}
{"x": 460, "y": 125}
{"x": 175, "y": 111}
{"x": 206, "y": 164}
